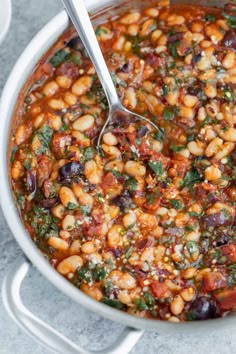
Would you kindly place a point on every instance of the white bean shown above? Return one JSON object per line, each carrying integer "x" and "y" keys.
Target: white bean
{"x": 84, "y": 123}
{"x": 70, "y": 264}
{"x": 134, "y": 168}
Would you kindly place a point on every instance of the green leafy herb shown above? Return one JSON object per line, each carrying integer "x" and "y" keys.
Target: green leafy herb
{"x": 159, "y": 134}
{"x": 85, "y": 209}
{"x": 177, "y": 148}
{"x": 192, "y": 246}
{"x": 84, "y": 274}
{"x": 231, "y": 20}
{"x": 193, "y": 213}
{"x": 189, "y": 228}
{"x": 44, "y": 134}
{"x": 117, "y": 174}
{"x": 191, "y": 316}
{"x": 128, "y": 252}
{"x": 176, "y": 204}
{"x": 113, "y": 303}
{"x": 192, "y": 177}
{"x": 232, "y": 275}
{"x": 107, "y": 288}
{"x": 173, "y": 49}
{"x": 20, "y": 200}
{"x": 150, "y": 199}
{"x": 43, "y": 223}
{"x": 99, "y": 273}
{"x": 205, "y": 121}
{"x": 100, "y": 30}
{"x": 191, "y": 137}
{"x": 59, "y": 57}
{"x": 170, "y": 113}
{"x": 63, "y": 128}
{"x": 136, "y": 41}
{"x": 210, "y": 18}
{"x": 191, "y": 49}
{"x": 71, "y": 206}
{"x": 13, "y": 153}
{"x": 88, "y": 153}
{"x": 156, "y": 166}
{"x": 27, "y": 164}
{"x": 75, "y": 58}
{"x": 131, "y": 184}
{"x": 140, "y": 304}
{"x": 228, "y": 93}
{"x": 166, "y": 89}
{"x": 149, "y": 299}
{"x": 227, "y": 214}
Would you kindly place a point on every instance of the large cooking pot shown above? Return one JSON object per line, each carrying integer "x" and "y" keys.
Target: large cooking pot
{"x": 12, "y": 283}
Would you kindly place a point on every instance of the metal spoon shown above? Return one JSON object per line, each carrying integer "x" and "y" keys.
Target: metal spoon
{"x": 80, "y": 18}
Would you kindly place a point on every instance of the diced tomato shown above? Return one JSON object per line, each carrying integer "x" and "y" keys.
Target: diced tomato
{"x": 144, "y": 150}
{"x": 229, "y": 251}
{"x": 132, "y": 137}
{"x": 180, "y": 164}
{"x": 110, "y": 185}
{"x": 44, "y": 69}
{"x": 226, "y": 298}
{"x": 158, "y": 289}
{"x": 59, "y": 142}
{"x": 212, "y": 281}
{"x": 109, "y": 181}
{"x": 44, "y": 169}
{"x": 97, "y": 215}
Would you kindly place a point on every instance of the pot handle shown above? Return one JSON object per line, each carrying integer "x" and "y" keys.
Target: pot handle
{"x": 40, "y": 330}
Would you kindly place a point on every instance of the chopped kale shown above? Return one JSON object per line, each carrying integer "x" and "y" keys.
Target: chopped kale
{"x": 113, "y": 303}
{"x": 13, "y": 153}
{"x": 59, "y": 57}
{"x": 192, "y": 246}
{"x": 99, "y": 273}
{"x": 44, "y": 134}
{"x": 231, "y": 20}
{"x": 173, "y": 49}
{"x": 157, "y": 167}
{"x": 88, "y": 153}
{"x": 176, "y": 204}
{"x": 170, "y": 113}
{"x": 210, "y": 18}
{"x": 192, "y": 177}
{"x": 159, "y": 134}
{"x": 100, "y": 30}
{"x": 177, "y": 148}
{"x": 71, "y": 206}
{"x": 131, "y": 184}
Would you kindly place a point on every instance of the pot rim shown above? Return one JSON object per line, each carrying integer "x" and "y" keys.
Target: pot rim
{"x": 22, "y": 69}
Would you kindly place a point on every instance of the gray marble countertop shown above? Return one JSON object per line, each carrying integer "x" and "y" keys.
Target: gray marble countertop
{"x": 39, "y": 295}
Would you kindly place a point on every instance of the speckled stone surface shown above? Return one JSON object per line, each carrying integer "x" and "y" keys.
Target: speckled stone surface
{"x": 39, "y": 295}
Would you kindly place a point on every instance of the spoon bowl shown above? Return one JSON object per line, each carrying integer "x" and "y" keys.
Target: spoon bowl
{"x": 117, "y": 112}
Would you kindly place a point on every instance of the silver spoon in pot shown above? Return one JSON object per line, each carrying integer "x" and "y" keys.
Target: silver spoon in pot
{"x": 80, "y": 18}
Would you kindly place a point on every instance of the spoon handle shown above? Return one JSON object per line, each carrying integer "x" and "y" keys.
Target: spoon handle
{"x": 80, "y": 18}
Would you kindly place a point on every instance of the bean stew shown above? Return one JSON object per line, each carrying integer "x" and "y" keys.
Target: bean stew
{"x": 147, "y": 223}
